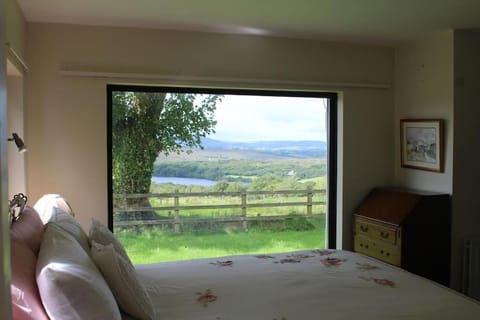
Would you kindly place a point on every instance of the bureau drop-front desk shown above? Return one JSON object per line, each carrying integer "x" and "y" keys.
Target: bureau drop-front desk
{"x": 409, "y": 229}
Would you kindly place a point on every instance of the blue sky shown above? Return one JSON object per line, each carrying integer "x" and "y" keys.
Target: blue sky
{"x": 255, "y": 118}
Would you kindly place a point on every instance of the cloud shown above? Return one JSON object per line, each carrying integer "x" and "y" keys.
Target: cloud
{"x": 254, "y": 118}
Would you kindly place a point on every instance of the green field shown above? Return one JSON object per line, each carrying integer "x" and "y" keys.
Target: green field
{"x": 195, "y": 240}
{"x": 157, "y": 246}
{"x": 216, "y": 239}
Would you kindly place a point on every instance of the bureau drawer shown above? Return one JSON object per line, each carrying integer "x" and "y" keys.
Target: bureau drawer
{"x": 381, "y": 251}
{"x": 376, "y": 231}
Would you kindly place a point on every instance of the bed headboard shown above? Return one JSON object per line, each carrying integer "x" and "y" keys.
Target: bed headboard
{"x": 16, "y": 206}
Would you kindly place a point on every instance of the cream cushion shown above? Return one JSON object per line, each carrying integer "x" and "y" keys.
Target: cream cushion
{"x": 122, "y": 280}
{"x": 100, "y": 234}
{"x": 70, "y": 285}
{"x": 72, "y": 226}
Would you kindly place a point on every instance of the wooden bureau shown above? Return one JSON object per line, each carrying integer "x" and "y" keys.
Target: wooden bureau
{"x": 406, "y": 228}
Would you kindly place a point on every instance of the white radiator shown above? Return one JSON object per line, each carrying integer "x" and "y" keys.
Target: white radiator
{"x": 471, "y": 265}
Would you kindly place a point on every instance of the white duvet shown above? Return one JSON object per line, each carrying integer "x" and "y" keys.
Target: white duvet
{"x": 318, "y": 284}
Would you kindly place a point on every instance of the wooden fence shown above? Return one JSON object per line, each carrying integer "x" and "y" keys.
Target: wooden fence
{"x": 243, "y": 204}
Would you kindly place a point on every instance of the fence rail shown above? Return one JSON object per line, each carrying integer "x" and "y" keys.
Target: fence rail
{"x": 243, "y": 204}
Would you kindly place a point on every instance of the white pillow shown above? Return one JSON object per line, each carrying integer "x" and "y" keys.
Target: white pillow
{"x": 70, "y": 285}
{"x": 122, "y": 279}
{"x": 72, "y": 226}
{"x": 100, "y": 234}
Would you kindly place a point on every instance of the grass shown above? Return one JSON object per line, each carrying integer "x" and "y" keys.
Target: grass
{"x": 154, "y": 244}
{"x": 160, "y": 246}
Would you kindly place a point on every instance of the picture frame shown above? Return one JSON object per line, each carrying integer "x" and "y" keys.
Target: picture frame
{"x": 422, "y": 143}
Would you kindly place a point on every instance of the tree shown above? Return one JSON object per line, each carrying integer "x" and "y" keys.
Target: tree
{"x": 221, "y": 186}
{"x": 145, "y": 124}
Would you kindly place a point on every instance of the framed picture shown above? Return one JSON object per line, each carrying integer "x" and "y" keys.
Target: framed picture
{"x": 421, "y": 142}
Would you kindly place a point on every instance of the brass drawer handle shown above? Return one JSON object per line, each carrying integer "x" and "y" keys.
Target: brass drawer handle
{"x": 363, "y": 246}
{"x": 384, "y": 235}
{"x": 363, "y": 228}
{"x": 385, "y": 253}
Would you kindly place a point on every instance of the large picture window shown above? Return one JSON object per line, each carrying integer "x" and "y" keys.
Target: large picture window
{"x": 196, "y": 173}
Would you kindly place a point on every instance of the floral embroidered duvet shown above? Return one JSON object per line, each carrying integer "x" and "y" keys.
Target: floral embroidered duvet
{"x": 312, "y": 284}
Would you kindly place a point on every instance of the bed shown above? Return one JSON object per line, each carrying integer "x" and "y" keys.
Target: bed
{"x": 59, "y": 271}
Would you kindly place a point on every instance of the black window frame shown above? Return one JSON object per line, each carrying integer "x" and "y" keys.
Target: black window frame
{"x": 332, "y": 141}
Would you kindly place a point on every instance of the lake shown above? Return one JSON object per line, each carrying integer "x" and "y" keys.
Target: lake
{"x": 184, "y": 181}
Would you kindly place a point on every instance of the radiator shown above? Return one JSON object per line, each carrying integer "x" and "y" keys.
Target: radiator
{"x": 471, "y": 272}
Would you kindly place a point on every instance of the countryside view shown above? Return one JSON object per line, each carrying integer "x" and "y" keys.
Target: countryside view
{"x": 198, "y": 175}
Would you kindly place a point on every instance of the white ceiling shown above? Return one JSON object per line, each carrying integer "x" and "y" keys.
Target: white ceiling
{"x": 355, "y": 20}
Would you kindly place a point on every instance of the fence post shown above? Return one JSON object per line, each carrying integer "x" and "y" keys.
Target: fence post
{"x": 176, "y": 212}
{"x": 244, "y": 210}
{"x": 309, "y": 200}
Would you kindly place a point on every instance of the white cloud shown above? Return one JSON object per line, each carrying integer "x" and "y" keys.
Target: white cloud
{"x": 254, "y": 118}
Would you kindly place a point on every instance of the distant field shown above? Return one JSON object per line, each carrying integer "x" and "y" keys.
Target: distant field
{"x": 205, "y": 155}
{"x": 229, "y": 165}
{"x": 320, "y": 182}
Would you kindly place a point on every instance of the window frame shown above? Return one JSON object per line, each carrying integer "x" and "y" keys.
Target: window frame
{"x": 332, "y": 140}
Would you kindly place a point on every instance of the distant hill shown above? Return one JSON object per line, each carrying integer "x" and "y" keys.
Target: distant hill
{"x": 302, "y": 148}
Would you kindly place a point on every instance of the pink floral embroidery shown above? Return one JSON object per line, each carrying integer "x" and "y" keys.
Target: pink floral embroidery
{"x": 323, "y": 252}
{"x": 264, "y": 256}
{"x": 290, "y": 260}
{"x": 331, "y": 262}
{"x": 299, "y": 256}
{"x": 226, "y": 263}
{"x": 384, "y": 282}
{"x": 206, "y": 297}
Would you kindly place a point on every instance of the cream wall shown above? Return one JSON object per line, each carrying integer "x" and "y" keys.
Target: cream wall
{"x": 66, "y": 116}
{"x": 437, "y": 77}
{"x": 424, "y": 90}
{"x": 16, "y": 160}
{"x": 366, "y": 151}
{"x": 15, "y": 51}
{"x": 466, "y": 199}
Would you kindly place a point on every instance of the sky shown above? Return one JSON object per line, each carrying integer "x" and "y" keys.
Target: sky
{"x": 256, "y": 118}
